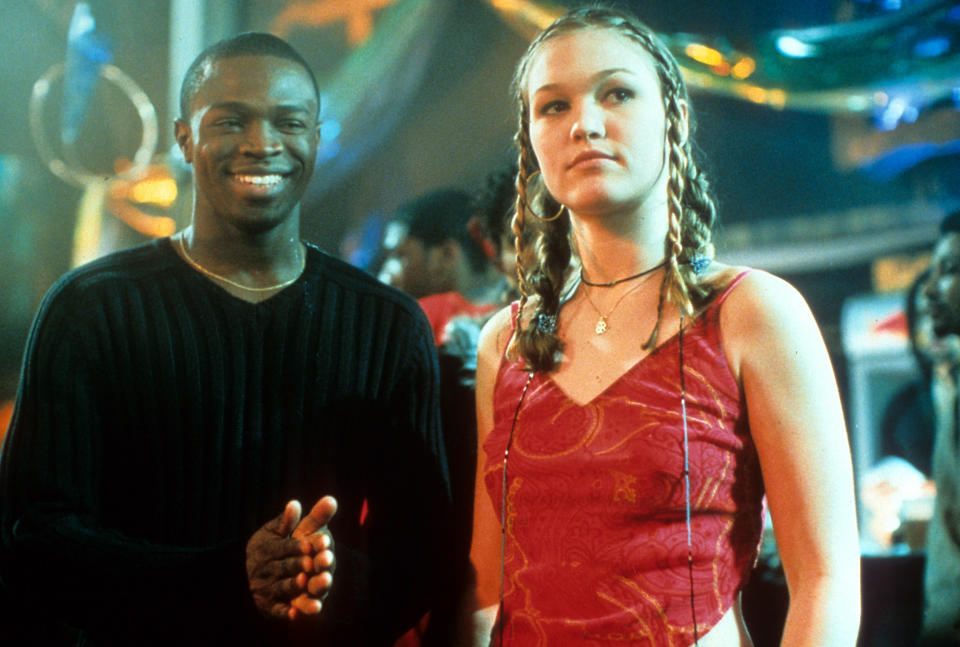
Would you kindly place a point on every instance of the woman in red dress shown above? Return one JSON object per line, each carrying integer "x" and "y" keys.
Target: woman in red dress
{"x": 635, "y": 408}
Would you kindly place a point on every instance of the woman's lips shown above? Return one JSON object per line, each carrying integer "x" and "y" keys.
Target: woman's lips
{"x": 591, "y": 156}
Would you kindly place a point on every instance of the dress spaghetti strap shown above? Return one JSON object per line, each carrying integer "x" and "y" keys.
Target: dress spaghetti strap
{"x": 727, "y": 290}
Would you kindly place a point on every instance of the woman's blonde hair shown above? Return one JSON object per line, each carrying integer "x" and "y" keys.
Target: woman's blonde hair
{"x": 542, "y": 269}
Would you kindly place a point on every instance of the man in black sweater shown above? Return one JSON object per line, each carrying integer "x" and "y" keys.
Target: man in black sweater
{"x": 180, "y": 398}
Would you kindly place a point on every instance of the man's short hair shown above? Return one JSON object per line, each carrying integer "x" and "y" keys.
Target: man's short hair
{"x": 951, "y": 223}
{"x": 495, "y": 203}
{"x": 255, "y": 43}
{"x": 441, "y": 215}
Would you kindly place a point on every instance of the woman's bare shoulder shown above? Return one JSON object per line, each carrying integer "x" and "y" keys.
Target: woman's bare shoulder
{"x": 761, "y": 311}
{"x": 760, "y": 293}
{"x": 494, "y": 338}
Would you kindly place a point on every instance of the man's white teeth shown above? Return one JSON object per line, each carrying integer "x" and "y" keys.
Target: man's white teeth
{"x": 259, "y": 180}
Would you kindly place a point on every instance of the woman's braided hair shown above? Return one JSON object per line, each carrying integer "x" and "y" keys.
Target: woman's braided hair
{"x": 542, "y": 267}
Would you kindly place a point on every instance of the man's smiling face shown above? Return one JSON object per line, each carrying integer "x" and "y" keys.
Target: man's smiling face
{"x": 252, "y": 139}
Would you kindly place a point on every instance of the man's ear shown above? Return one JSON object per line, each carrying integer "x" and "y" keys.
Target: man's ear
{"x": 181, "y": 132}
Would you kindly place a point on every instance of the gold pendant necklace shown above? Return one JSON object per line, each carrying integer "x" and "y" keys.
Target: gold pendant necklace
{"x": 200, "y": 268}
{"x": 602, "y": 326}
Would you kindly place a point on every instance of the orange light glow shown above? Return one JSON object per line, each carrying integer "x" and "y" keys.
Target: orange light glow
{"x": 754, "y": 93}
{"x": 721, "y": 69}
{"x": 526, "y": 11}
{"x": 743, "y": 68}
{"x": 774, "y": 97}
{"x": 358, "y": 16}
{"x": 703, "y": 54}
{"x": 159, "y": 191}
{"x": 777, "y": 98}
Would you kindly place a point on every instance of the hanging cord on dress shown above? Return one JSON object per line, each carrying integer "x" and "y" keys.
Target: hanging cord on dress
{"x": 503, "y": 498}
{"x": 686, "y": 481}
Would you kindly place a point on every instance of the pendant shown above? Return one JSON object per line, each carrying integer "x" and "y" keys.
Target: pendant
{"x": 601, "y": 326}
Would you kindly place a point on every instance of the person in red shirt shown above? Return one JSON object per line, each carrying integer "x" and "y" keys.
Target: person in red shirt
{"x": 436, "y": 255}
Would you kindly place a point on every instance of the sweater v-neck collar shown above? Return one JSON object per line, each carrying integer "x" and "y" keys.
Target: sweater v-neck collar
{"x": 226, "y": 295}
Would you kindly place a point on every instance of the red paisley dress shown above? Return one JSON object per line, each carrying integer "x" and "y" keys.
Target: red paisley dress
{"x": 596, "y": 540}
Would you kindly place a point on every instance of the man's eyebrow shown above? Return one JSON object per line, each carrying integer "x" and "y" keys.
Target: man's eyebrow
{"x": 294, "y": 107}
{"x": 240, "y": 106}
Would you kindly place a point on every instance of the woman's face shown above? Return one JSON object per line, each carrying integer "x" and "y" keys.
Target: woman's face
{"x": 597, "y": 121}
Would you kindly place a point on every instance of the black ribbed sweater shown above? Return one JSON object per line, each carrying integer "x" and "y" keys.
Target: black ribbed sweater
{"x": 160, "y": 421}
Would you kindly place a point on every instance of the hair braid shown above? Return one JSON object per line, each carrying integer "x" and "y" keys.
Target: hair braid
{"x": 541, "y": 267}
{"x": 518, "y": 225}
{"x": 691, "y": 210}
{"x": 701, "y": 213}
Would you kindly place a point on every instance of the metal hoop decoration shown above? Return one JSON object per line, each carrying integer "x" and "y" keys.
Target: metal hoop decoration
{"x": 78, "y": 176}
{"x": 537, "y": 215}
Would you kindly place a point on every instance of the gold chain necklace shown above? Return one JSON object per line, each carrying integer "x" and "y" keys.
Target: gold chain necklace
{"x": 200, "y": 268}
{"x": 602, "y": 326}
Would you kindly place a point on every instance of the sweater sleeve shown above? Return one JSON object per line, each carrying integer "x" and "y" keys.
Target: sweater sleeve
{"x": 58, "y": 555}
{"x": 417, "y": 551}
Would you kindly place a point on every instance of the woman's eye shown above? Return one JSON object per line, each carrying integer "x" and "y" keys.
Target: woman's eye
{"x": 620, "y": 95}
{"x": 553, "y": 107}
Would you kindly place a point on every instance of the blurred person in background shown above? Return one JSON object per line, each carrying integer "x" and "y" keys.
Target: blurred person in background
{"x": 907, "y": 428}
{"x": 435, "y": 256}
{"x": 941, "y": 622}
{"x": 493, "y": 207}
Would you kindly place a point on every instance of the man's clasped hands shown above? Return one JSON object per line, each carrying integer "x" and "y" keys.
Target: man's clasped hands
{"x": 290, "y": 561}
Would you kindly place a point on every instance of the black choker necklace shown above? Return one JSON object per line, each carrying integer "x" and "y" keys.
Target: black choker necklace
{"x": 623, "y": 280}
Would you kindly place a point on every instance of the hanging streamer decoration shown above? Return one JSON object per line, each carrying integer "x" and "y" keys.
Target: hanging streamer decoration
{"x": 908, "y": 58}
{"x": 87, "y": 61}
